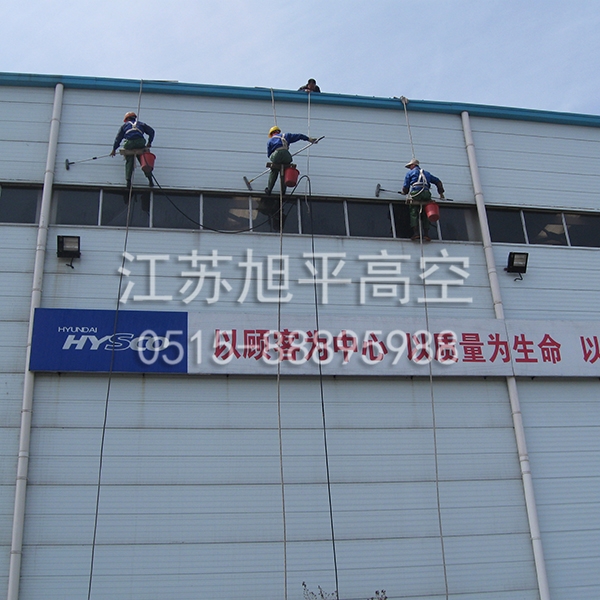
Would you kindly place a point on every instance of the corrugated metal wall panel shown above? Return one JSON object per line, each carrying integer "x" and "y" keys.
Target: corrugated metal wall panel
{"x": 361, "y": 147}
{"x": 94, "y": 281}
{"x": 560, "y": 283}
{"x": 562, "y": 422}
{"x": 205, "y": 484}
{"x": 191, "y": 495}
{"x": 25, "y": 117}
{"x": 538, "y": 164}
{"x": 11, "y": 392}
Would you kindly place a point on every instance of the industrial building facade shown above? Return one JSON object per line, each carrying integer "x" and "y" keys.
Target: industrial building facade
{"x": 234, "y": 395}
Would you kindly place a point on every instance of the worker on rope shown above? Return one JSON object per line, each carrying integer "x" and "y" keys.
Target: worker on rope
{"x": 133, "y": 132}
{"x": 417, "y": 188}
{"x": 279, "y": 154}
{"x": 311, "y": 86}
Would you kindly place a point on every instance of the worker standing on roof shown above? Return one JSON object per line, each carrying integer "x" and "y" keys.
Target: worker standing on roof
{"x": 311, "y": 86}
{"x": 279, "y": 155}
{"x": 417, "y": 185}
{"x": 133, "y": 132}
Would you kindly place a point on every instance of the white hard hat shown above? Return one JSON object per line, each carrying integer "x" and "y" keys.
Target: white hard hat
{"x": 413, "y": 163}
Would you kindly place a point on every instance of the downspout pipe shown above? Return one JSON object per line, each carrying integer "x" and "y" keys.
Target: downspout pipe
{"x": 16, "y": 549}
{"x": 511, "y": 382}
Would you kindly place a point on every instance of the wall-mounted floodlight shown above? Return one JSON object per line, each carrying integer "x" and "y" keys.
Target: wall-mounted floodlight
{"x": 68, "y": 246}
{"x": 517, "y": 263}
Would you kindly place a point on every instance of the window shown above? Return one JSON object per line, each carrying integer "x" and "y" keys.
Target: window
{"x": 583, "y": 230}
{"x": 370, "y": 219}
{"x": 506, "y": 226}
{"x": 265, "y": 214}
{"x": 223, "y": 212}
{"x": 115, "y": 208}
{"x": 545, "y": 228}
{"x": 76, "y": 207}
{"x": 402, "y": 221}
{"x": 226, "y": 213}
{"x": 176, "y": 211}
{"x": 458, "y": 223}
{"x": 18, "y": 205}
{"x": 323, "y": 218}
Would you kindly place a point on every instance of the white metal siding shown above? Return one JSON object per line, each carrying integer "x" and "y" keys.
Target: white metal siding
{"x": 25, "y": 115}
{"x": 191, "y": 494}
{"x": 562, "y": 421}
{"x": 528, "y": 164}
{"x": 190, "y": 504}
{"x": 560, "y": 283}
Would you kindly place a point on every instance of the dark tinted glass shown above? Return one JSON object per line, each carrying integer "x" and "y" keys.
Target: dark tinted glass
{"x": 459, "y": 223}
{"x": 402, "y": 223}
{"x": 545, "y": 228}
{"x": 226, "y": 214}
{"x": 323, "y": 218}
{"x": 18, "y": 205}
{"x": 584, "y": 230}
{"x": 265, "y": 214}
{"x": 115, "y": 207}
{"x": 402, "y": 220}
{"x": 369, "y": 219}
{"x": 506, "y": 226}
{"x": 175, "y": 211}
{"x": 77, "y": 207}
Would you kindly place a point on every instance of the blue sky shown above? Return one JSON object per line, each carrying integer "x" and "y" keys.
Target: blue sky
{"x": 541, "y": 54}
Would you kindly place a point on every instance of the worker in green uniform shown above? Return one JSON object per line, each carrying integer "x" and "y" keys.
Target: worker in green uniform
{"x": 133, "y": 132}
{"x": 279, "y": 155}
{"x": 417, "y": 185}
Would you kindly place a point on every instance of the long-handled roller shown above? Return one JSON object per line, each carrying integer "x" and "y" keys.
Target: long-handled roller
{"x": 68, "y": 163}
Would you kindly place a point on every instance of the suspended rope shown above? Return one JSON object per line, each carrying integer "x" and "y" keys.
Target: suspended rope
{"x": 279, "y": 420}
{"x": 108, "y": 390}
{"x": 404, "y": 101}
{"x": 434, "y": 424}
{"x": 308, "y": 200}
{"x": 140, "y": 97}
{"x": 273, "y": 105}
{"x": 110, "y": 374}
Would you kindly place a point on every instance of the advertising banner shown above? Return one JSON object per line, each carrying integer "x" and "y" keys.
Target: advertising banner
{"x": 254, "y": 344}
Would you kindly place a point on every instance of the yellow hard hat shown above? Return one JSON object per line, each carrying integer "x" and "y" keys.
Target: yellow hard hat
{"x": 274, "y": 129}
{"x": 128, "y": 116}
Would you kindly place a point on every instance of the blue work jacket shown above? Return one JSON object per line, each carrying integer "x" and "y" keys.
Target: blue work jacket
{"x": 277, "y": 142}
{"x": 413, "y": 180}
{"x": 130, "y": 130}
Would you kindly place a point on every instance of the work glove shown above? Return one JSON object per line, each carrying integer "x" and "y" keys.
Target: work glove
{"x": 313, "y": 140}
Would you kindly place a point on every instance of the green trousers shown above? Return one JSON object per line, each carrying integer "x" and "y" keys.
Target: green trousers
{"x": 278, "y": 158}
{"x": 134, "y": 144}
{"x": 417, "y": 208}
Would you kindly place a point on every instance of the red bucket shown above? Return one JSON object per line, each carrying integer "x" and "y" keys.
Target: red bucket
{"x": 290, "y": 176}
{"x": 147, "y": 161}
{"x": 432, "y": 210}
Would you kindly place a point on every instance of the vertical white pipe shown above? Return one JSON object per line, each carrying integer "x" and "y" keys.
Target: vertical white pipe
{"x": 511, "y": 382}
{"x": 16, "y": 549}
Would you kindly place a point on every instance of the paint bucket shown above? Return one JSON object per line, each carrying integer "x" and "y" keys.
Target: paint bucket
{"x": 147, "y": 161}
{"x": 432, "y": 210}
{"x": 290, "y": 176}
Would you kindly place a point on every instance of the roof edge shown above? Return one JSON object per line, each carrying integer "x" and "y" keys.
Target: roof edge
{"x": 260, "y": 93}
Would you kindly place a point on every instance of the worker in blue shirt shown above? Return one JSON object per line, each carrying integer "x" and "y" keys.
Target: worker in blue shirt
{"x": 133, "y": 132}
{"x": 279, "y": 155}
{"x": 417, "y": 188}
